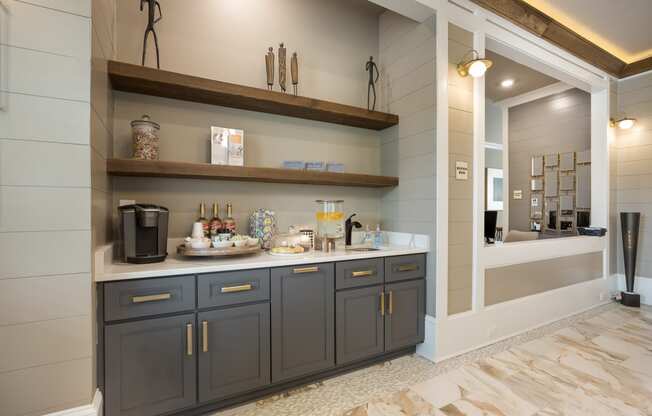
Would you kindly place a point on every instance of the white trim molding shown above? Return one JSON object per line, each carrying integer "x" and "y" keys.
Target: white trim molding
{"x": 642, "y": 286}
{"x": 93, "y": 409}
{"x": 428, "y": 347}
{"x": 527, "y": 97}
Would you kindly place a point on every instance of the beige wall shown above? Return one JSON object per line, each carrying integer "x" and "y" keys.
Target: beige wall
{"x": 556, "y": 124}
{"x": 333, "y": 39}
{"x": 632, "y": 150}
{"x": 45, "y": 199}
{"x": 460, "y": 192}
{"x": 407, "y": 62}
{"x": 520, "y": 280}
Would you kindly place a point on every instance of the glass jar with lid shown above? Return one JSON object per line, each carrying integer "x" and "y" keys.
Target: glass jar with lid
{"x": 330, "y": 219}
{"x": 145, "y": 138}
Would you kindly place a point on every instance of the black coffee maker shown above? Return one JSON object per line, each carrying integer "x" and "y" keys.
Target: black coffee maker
{"x": 144, "y": 229}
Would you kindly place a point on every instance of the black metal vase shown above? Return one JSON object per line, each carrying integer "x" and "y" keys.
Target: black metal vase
{"x": 629, "y": 223}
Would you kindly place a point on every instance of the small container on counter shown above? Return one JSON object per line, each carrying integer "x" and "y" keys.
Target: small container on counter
{"x": 145, "y": 138}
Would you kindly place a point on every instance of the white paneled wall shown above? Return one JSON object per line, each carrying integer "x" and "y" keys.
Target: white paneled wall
{"x": 45, "y": 201}
{"x": 407, "y": 67}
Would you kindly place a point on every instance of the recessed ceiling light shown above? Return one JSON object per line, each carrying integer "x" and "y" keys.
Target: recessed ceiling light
{"x": 507, "y": 83}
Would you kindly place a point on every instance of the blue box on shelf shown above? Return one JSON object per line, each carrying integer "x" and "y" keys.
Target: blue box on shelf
{"x": 335, "y": 167}
{"x": 318, "y": 166}
{"x": 294, "y": 164}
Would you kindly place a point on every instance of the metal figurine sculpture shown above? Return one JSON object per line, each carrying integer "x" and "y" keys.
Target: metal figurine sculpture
{"x": 151, "y": 21}
{"x": 294, "y": 71}
{"x": 282, "y": 69}
{"x": 371, "y": 87}
{"x": 269, "y": 67}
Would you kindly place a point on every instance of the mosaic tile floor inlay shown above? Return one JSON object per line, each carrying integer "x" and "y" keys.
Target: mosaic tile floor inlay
{"x": 596, "y": 363}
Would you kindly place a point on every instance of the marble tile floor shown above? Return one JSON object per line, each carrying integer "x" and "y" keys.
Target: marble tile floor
{"x": 595, "y": 363}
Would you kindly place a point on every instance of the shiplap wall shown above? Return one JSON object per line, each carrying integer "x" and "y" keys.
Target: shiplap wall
{"x": 633, "y": 154}
{"x": 407, "y": 67}
{"x": 460, "y": 192}
{"x": 45, "y": 201}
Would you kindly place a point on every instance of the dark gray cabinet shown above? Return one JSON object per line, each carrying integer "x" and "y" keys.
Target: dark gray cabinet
{"x": 234, "y": 347}
{"x": 303, "y": 332}
{"x": 360, "y": 327}
{"x": 150, "y": 366}
{"x": 405, "y": 314}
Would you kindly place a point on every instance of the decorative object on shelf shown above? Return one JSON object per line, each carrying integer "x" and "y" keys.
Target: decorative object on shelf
{"x": 476, "y": 66}
{"x": 262, "y": 225}
{"x": 315, "y": 165}
{"x": 269, "y": 68}
{"x": 227, "y": 146}
{"x": 144, "y": 133}
{"x": 629, "y": 223}
{"x": 294, "y": 164}
{"x": 335, "y": 167}
{"x": 282, "y": 67}
{"x": 151, "y": 21}
{"x": 294, "y": 72}
{"x": 374, "y": 74}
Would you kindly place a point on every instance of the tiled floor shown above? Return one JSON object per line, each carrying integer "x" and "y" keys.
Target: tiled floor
{"x": 596, "y": 363}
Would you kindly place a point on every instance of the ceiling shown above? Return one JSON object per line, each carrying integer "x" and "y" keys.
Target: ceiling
{"x": 622, "y": 28}
{"x": 525, "y": 79}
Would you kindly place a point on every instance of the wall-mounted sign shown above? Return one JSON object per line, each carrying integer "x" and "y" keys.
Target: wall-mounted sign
{"x": 535, "y": 201}
{"x": 518, "y": 194}
{"x": 461, "y": 171}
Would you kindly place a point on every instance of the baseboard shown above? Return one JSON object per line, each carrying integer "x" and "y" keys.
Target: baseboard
{"x": 427, "y": 348}
{"x": 642, "y": 286}
{"x": 93, "y": 409}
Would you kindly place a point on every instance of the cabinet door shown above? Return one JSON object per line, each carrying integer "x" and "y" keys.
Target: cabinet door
{"x": 404, "y": 314}
{"x": 359, "y": 325}
{"x": 303, "y": 331}
{"x": 233, "y": 351}
{"x": 150, "y": 366}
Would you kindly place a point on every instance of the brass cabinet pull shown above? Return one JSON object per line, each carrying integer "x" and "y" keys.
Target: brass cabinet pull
{"x": 391, "y": 302}
{"x": 299, "y": 270}
{"x": 239, "y": 288}
{"x": 382, "y": 303}
{"x": 189, "y": 339}
{"x": 204, "y": 336}
{"x": 408, "y": 268}
{"x": 151, "y": 298}
{"x": 362, "y": 273}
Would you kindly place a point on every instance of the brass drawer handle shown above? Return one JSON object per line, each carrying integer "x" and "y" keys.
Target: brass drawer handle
{"x": 391, "y": 302}
{"x": 204, "y": 336}
{"x": 239, "y": 288}
{"x": 189, "y": 339}
{"x": 299, "y": 270}
{"x": 408, "y": 268}
{"x": 151, "y": 298}
{"x": 362, "y": 273}
{"x": 382, "y": 303}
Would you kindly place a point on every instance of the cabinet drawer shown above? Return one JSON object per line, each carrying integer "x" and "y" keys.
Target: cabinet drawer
{"x": 405, "y": 267}
{"x": 133, "y": 299}
{"x": 231, "y": 288}
{"x": 358, "y": 273}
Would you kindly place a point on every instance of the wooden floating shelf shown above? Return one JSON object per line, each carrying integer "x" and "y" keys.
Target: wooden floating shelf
{"x": 163, "y": 169}
{"x": 150, "y": 81}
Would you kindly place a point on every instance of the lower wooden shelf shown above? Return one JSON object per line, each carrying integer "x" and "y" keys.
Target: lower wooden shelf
{"x": 166, "y": 169}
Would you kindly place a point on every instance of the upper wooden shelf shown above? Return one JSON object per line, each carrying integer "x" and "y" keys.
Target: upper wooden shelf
{"x": 165, "y": 169}
{"x": 150, "y": 81}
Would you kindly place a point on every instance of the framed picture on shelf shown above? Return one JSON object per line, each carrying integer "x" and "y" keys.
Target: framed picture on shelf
{"x": 494, "y": 189}
{"x": 227, "y": 146}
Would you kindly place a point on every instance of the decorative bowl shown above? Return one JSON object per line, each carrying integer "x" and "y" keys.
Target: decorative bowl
{"x": 222, "y": 244}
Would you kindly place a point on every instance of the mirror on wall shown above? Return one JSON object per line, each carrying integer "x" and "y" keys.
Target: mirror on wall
{"x": 537, "y": 145}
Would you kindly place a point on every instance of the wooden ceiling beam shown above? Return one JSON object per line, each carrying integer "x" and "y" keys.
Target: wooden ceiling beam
{"x": 544, "y": 26}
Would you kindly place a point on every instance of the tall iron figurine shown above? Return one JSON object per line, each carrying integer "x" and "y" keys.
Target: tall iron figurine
{"x": 269, "y": 67}
{"x": 282, "y": 66}
{"x": 629, "y": 224}
{"x": 151, "y": 21}
{"x": 371, "y": 67}
{"x": 294, "y": 71}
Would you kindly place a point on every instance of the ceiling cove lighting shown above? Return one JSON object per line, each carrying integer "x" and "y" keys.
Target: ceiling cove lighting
{"x": 507, "y": 83}
{"x": 623, "y": 123}
{"x": 476, "y": 66}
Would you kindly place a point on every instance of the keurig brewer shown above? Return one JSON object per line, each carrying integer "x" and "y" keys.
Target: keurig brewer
{"x": 144, "y": 230}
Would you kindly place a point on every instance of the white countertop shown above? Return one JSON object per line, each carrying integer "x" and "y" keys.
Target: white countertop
{"x": 398, "y": 245}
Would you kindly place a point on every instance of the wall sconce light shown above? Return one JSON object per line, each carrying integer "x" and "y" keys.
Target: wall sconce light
{"x": 623, "y": 123}
{"x": 476, "y": 66}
